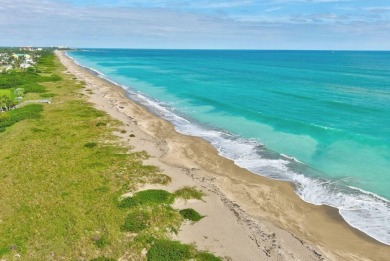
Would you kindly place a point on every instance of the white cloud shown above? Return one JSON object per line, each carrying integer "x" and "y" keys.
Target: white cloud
{"x": 49, "y": 23}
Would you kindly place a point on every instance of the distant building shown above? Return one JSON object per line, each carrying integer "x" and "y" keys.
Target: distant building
{"x": 26, "y": 48}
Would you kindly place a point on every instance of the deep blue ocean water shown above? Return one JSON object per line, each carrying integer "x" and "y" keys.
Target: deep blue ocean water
{"x": 319, "y": 119}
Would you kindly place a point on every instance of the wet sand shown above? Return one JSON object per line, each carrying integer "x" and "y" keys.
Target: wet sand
{"x": 248, "y": 217}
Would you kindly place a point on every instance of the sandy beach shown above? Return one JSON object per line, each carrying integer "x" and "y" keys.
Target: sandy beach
{"x": 248, "y": 217}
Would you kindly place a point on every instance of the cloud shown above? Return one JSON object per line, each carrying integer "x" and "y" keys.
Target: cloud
{"x": 378, "y": 9}
{"x": 190, "y": 24}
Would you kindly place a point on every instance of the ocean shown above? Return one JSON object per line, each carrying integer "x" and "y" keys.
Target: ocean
{"x": 318, "y": 119}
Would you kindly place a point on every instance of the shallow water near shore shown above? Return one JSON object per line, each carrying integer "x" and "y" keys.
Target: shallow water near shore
{"x": 317, "y": 119}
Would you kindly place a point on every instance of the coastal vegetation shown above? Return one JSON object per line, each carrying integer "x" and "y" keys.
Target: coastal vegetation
{"x": 63, "y": 174}
{"x": 190, "y": 214}
{"x": 166, "y": 250}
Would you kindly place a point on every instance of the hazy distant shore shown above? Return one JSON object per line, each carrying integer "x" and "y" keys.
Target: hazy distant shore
{"x": 248, "y": 217}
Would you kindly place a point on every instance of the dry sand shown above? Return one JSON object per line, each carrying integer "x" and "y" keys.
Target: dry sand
{"x": 248, "y": 217}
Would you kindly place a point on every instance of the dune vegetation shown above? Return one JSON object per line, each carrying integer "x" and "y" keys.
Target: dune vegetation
{"x": 62, "y": 177}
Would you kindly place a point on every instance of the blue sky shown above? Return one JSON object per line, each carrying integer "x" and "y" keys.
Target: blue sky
{"x": 245, "y": 24}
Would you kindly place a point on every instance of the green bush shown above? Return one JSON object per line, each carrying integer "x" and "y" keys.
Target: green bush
{"x": 190, "y": 214}
{"x": 136, "y": 221}
{"x": 166, "y": 250}
{"x": 151, "y": 196}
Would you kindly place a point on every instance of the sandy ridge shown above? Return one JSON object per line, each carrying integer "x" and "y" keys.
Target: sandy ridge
{"x": 248, "y": 217}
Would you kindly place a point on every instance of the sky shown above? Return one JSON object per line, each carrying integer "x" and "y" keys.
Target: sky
{"x": 198, "y": 24}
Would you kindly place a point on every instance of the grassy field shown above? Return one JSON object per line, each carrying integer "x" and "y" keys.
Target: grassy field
{"x": 5, "y": 92}
{"x": 61, "y": 177}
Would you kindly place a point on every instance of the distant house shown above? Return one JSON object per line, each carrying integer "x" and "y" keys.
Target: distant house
{"x": 26, "y": 48}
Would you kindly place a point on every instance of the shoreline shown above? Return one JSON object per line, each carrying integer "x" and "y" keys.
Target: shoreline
{"x": 263, "y": 204}
{"x": 227, "y": 143}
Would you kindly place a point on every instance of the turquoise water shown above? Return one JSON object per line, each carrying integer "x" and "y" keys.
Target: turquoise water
{"x": 319, "y": 119}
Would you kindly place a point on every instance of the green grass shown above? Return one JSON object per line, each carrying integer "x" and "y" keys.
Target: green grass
{"x": 5, "y": 92}
{"x": 189, "y": 193}
{"x": 47, "y": 95}
{"x": 32, "y": 87}
{"x": 90, "y": 145}
{"x": 205, "y": 256}
{"x": 190, "y": 214}
{"x": 55, "y": 193}
{"x": 158, "y": 196}
{"x": 154, "y": 220}
{"x": 151, "y": 196}
{"x": 167, "y": 250}
{"x": 32, "y": 111}
{"x": 137, "y": 220}
{"x": 100, "y": 241}
{"x": 103, "y": 258}
{"x": 101, "y": 124}
{"x": 61, "y": 173}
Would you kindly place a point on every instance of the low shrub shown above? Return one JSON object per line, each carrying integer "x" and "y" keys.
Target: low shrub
{"x": 166, "y": 250}
{"x": 136, "y": 221}
{"x": 189, "y": 193}
{"x": 190, "y": 214}
{"x": 151, "y": 196}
